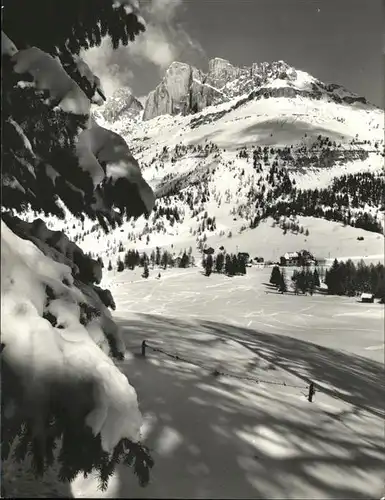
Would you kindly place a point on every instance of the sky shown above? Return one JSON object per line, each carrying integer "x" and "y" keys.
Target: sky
{"x": 336, "y": 41}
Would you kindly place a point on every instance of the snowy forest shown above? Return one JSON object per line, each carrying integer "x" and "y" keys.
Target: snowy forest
{"x": 342, "y": 278}
{"x": 348, "y": 278}
{"x": 60, "y": 383}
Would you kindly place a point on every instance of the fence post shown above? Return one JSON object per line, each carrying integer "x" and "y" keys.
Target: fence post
{"x": 311, "y": 392}
{"x": 144, "y": 348}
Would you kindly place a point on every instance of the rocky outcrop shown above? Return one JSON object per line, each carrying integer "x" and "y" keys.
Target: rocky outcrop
{"x": 121, "y": 104}
{"x": 354, "y": 99}
{"x": 172, "y": 95}
{"x": 221, "y": 72}
{"x": 341, "y": 95}
{"x": 185, "y": 89}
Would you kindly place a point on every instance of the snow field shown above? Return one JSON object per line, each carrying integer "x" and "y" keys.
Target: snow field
{"x": 326, "y": 239}
{"x": 245, "y": 301}
{"x": 221, "y": 437}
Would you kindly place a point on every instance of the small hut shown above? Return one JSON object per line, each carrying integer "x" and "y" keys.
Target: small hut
{"x": 368, "y": 298}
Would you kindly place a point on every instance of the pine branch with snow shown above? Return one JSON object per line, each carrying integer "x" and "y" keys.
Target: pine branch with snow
{"x": 63, "y": 397}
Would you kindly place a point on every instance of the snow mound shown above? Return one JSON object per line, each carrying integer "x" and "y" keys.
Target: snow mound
{"x": 48, "y": 74}
{"x": 45, "y": 355}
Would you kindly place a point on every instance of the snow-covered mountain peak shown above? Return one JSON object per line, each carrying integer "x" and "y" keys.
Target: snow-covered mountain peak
{"x": 273, "y": 69}
{"x": 218, "y": 60}
{"x": 187, "y": 90}
{"x": 177, "y": 65}
{"x": 122, "y": 104}
{"x": 221, "y": 72}
{"x": 285, "y": 76}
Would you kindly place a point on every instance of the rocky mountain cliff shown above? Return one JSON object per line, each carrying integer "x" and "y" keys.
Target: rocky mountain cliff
{"x": 120, "y": 105}
{"x": 185, "y": 89}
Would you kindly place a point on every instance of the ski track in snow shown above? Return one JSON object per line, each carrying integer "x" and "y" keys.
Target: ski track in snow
{"x": 237, "y": 439}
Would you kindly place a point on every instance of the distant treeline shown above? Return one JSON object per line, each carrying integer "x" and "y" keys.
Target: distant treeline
{"x": 342, "y": 278}
{"x": 226, "y": 263}
{"x": 160, "y": 258}
{"x": 303, "y": 281}
{"x": 346, "y": 278}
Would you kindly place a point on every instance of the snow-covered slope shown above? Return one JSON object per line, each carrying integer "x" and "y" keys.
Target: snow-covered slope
{"x": 248, "y": 122}
{"x": 234, "y": 162}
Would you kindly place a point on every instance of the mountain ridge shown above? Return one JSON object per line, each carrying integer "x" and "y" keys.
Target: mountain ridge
{"x": 122, "y": 104}
{"x": 281, "y": 153}
{"x": 185, "y": 89}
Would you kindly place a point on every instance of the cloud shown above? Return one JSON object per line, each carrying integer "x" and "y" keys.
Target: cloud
{"x": 164, "y": 10}
{"x": 154, "y": 46}
{"x": 107, "y": 65}
{"x": 164, "y": 41}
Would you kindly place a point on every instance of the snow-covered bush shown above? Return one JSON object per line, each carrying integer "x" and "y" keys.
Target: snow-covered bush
{"x": 60, "y": 384}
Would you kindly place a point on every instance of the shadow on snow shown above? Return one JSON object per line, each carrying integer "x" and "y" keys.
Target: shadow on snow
{"x": 220, "y": 438}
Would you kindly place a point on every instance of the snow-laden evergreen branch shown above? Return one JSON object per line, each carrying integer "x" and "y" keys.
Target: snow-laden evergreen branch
{"x": 59, "y": 382}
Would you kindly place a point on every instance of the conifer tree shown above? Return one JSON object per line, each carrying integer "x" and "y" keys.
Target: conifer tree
{"x": 119, "y": 265}
{"x": 164, "y": 260}
{"x": 184, "y": 261}
{"x": 379, "y": 284}
{"x": 127, "y": 259}
{"x": 282, "y": 282}
{"x": 157, "y": 256}
{"x": 234, "y": 264}
{"x": 344, "y": 278}
{"x": 55, "y": 154}
{"x": 241, "y": 264}
{"x": 316, "y": 278}
{"x": 143, "y": 259}
{"x": 146, "y": 272}
{"x": 229, "y": 270}
{"x": 152, "y": 258}
{"x": 275, "y": 277}
{"x": 333, "y": 279}
{"x": 310, "y": 282}
{"x": 219, "y": 262}
{"x": 43, "y": 154}
{"x": 189, "y": 254}
{"x": 294, "y": 279}
{"x": 208, "y": 265}
{"x": 303, "y": 282}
